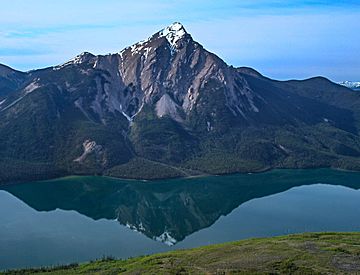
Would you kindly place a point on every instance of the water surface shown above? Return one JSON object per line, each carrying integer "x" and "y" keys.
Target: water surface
{"x": 82, "y": 218}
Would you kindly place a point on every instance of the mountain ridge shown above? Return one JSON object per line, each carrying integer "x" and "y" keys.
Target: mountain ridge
{"x": 167, "y": 100}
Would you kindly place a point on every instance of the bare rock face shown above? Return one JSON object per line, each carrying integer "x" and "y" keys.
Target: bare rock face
{"x": 167, "y": 71}
{"x": 167, "y": 107}
{"x": 90, "y": 147}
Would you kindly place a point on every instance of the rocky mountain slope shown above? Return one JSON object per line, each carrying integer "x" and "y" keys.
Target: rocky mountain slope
{"x": 166, "y": 107}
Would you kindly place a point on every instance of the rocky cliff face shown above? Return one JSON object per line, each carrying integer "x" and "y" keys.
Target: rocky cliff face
{"x": 167, "y": 71}
{"x": 167, "y": 101}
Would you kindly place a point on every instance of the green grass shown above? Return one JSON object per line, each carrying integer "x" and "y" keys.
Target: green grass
{"x": 309, "y": 253}
{"x": 138, "y": 168}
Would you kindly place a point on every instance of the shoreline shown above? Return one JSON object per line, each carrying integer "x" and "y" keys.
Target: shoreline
{"x": 204, "y": 175}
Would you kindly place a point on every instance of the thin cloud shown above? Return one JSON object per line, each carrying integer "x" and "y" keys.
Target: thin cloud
{"x": 36, "y": 32}
{"x": 6, "y": 52}
{"x": 265, "y": 34}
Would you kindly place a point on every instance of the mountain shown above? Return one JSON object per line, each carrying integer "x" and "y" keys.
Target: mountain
{"x": 10, "y": 80}
{"x": 350, "y": 84}
{"x": 166, "y": 107}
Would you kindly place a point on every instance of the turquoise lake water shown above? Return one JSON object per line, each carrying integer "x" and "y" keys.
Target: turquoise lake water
{"x": 78, "y": 219}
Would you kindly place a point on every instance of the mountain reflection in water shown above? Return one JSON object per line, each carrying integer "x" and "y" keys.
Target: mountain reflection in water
{"x": 168, "y": 210}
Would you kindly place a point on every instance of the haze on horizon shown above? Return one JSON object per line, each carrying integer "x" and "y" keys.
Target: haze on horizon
{"x": 280, "y": 39}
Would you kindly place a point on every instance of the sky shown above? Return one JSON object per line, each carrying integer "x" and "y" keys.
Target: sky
{"x": 281, "y": 39}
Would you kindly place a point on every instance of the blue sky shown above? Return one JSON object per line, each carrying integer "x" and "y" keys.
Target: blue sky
{"x": 281, "y": 39}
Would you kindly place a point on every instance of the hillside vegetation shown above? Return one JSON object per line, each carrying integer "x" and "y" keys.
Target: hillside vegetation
{"x": 310, "y": 253}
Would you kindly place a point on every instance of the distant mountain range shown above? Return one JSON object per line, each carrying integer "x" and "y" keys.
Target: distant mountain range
{"x": 166, "y": 107}
{"x": 350, "y": 84}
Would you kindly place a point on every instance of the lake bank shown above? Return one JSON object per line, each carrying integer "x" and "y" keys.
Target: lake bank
{"x": 148, "y": 171}
{"x": 191, "y": 177}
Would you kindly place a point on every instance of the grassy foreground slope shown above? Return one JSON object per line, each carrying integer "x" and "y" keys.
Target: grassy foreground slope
{"x": 310, "y": 253}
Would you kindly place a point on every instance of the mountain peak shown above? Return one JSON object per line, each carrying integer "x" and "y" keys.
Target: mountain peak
{"x": 173, "y": 33}
{"x": 80, "y": 58}
{"x": 165, "y": 102}
{"x": 175, "y": 27}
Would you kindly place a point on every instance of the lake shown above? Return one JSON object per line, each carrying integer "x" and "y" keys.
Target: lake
{"x": 78, "y": 219}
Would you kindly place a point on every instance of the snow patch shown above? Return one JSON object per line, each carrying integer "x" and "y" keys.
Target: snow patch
{"x": 141, "y": 227}
{"x": 81, "y": 58}
{"x": 95, "y": 64}
{"x": 146, "y": 52}
{"x": 2, "y": 101}
{"x": 350, "y": 84}
{"x": 137, "y": 228}
{"x": 325, "y": 119}
{"x": 166, "y": 238}
{"x": 173, "y": 34}
{"x": 136, "y": 48}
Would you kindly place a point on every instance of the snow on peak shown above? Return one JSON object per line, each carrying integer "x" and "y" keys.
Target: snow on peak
{"x": 173, "y": 33}
{"x": 137, "y": 47}
{"x": 350, "y": 84}
{"x": 175, "y": 27}
{"x": 81, "y": 58}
